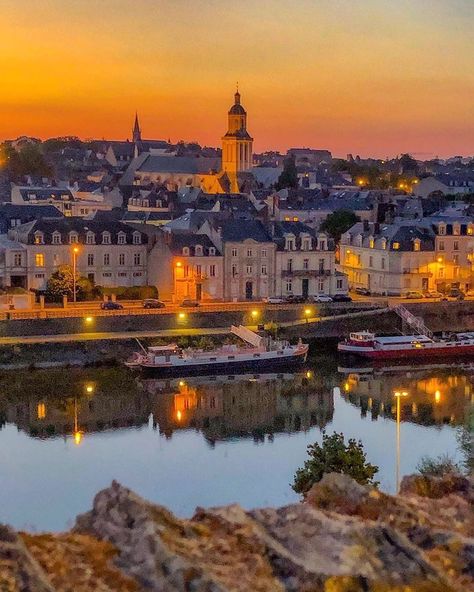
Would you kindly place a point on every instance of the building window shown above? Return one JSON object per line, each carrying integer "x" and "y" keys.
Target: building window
{"x": 39, "y": 238}
{"x": 322, "y": 245}
{"x": 39, "y": 260}
{"x": 289, "y": 286}
{"x": 249, "y": 252}
{"x": 320, "y": 285}
{"x": 290, "y": 244}
{"x": 17, "y": 259}
{"x": 212, "y": 270}
{"x": 249, "y": 270}
{"x": 416, "y": 245}
{"x": 137, "y": 259}
{"x": 121, "y": 238}
{"x": 456, "y": 229}
{"x": 456, "y": 259}
{"x": 234, "y": 252}
{"x": 383, "y": 263}
{"x": 106, "y": 238}
{"x": 264, "y": 270}
{"x": 122, "y": 259}
{"x": 137, "y": 238}
{"x": 198, "y": 270}
{"x": 56, "y": 238}
{"x": 106, "y": 274}
{"x": 73, "y": 238}
{"x": 122, "y": 274}
{"x": 56, "y": 259}
{"x": 186, "y": 251}
{"x": 305, "y": 263}
{"x": 371, "y": 261}
{"x": 339, "y": 284}
{"x": 456, "y": 245}
{"x": 234, "y": 270}
{"x": 441, "y": 246}
{"x": 39, "y": 276}
{"x": 359, "y": 259}
{"x": 106, "y": 258}
{"x": 90, "y": 238}
{"x": 198, "y": 251}
{"x": 442, "y": 229}
{"x": 264, "y": 253}
{"x": 384, "y": 243}
{"x": 90, "y": 259}
{"x": 306, "y": 245}
{"x": 321, "y": 266}
{"x": 41, "y": 411}
{"x": 371, "y": 243}
{"x": 289, "y": 265}
{"x": 396, "y": 246}
{"x": 212, "y": 251}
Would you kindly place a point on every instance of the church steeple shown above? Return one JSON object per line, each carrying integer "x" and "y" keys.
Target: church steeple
{"x": 136, "y": 132}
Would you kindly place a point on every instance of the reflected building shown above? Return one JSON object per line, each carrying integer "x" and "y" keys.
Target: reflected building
{"x": 240, "y": 406}
{"x": 436, "y": 395}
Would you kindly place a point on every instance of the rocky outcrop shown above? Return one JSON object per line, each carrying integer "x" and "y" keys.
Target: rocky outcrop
{"x": 344, "y": 538}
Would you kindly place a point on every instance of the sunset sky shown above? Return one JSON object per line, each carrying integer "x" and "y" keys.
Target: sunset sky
{"x": 370, "y": 77}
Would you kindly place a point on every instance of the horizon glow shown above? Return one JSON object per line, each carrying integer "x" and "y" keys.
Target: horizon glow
{"x": 373, "y": 77}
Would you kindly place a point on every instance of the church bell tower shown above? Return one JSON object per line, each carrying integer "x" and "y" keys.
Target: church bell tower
{"x": 237, "y": 142}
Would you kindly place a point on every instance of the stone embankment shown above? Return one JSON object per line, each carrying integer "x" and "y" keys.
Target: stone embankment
{"x": 343, "y": 538}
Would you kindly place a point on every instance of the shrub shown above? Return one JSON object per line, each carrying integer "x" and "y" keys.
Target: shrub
{"x": 437, "y": 467}
{"x": 334, "y": 456}
{"x": 130, "y": 292}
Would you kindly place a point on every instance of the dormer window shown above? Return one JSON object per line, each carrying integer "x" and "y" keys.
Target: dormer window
{"x": 121, "y": 238}
{"x": 39, "y": 238}
{"x": 212, "y": 250}
{"x": 90, "y": 238}
{"x": 73, "y": 238}
{"x": 442, "y": 229}
{"x": 416, "y": 244}
{"x": 56, "y": 238}
{"x": 186, "y": 251}
{"x": 290, "y": 243}
{"x": 470, "y": 229}
{"x": 306, "y": 244}
{"x": 137, "y": 238}
{"x": 383, "y": 243}
{"x": 371, "y": 242}
{"x": 198, "y": 251}
{"x": 396, "y": 246}
{"x": 322, "y": 244}
{"x": 106, "y": 238}
{"x": 456, "y": 229}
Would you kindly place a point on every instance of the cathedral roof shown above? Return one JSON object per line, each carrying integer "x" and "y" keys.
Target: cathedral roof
{"x": 237, "y": 109}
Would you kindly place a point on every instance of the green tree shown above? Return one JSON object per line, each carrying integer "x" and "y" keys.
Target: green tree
{"x": 339, "y": 222}
{"x": 27, "y": 161}
{"x": 334, "y": 456}
{"x": 61, "y": 283}
{"x": 289, "y": 175}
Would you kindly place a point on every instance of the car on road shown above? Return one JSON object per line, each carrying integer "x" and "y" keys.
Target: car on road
{"x": 456, "y": 293}
{"x": 341, "y": 298}
{"x": 322, "y": 298}
{"x": 273, "y": 300}
{"x": 109, "y": 305}
{"x": 362, "y": 291}
{"x": 432, "y": 294}
{"x": 413, "y": 294}
{"x": 189, "y": 302}
{"x": 153, "y": 303}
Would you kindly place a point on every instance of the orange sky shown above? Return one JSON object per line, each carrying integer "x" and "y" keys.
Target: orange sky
{"x": 370, "y": 77}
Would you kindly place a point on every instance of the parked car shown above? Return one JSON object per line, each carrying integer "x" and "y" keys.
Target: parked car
{"x": 322, "y": 298}
{"x": 456, "y": 293}
{"x": 341, "y": 298}
{"x": 295, "y": 299}
{"x": 273, "y": 300}
{"x": 432, "y": 294}
{"x": 413, "y": 294}
{"x": 362, "y": 291}
{"x": 109, "y": 305}
{"x": 153, "y": 303}
{"x": 189, "y": 302}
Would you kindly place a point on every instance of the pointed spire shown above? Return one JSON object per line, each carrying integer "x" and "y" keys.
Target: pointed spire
{"x": 136, "y": 132}
{"x": 237, "y": 95}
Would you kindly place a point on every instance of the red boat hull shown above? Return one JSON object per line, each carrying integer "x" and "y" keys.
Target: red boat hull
{"x": 416, "y": 353}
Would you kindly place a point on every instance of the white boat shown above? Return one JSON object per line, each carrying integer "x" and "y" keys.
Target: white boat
{"x": 257, "y": 353}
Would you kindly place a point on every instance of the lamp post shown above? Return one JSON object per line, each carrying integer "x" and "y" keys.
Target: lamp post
{"x": 75, "y": 251}
{"x": 398, "y": 396}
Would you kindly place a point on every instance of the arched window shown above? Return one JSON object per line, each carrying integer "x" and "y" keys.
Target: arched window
{"x": 212, "y": 251}
{"x": 73, "y": 238}
{"x": 106, "y": 238}
{"x": 90, "y": 238}
{"x": 137, "y": 238}
{"x": 38, "y": 238}
{"x": 186, "y": 251}
{"x": 121, "y": 238}
{"x": 56, "y": 238}
{"x": 198, "y": 251}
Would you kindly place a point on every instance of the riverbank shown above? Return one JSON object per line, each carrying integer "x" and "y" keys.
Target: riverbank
{"x": 345, "y": 537}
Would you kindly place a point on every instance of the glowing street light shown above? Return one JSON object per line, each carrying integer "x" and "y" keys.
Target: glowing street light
{"x": 89, "y": 320}
{"x": 398, "y": 395}
{"x": 89, "y": 388}
{"x": 181, "y": 316}
{"x": 75, "y": 252}
{"x": 437, "y": 396}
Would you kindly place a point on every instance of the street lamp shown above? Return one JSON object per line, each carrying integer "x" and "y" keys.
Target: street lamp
{"x": 254, "y": 315}
{"x": 75, "y": 251}
{"x": 307, "y": 314}
{"x": 398, "y": 396}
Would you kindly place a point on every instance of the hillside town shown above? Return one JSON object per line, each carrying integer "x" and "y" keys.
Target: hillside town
{"x": 226, "y": 224}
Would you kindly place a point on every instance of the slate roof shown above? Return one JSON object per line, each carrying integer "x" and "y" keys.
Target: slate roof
{"x": 179, "y": 164}
{"x": 280, "y": 229}
{"x": 403, "y": 233}
{"x": 25, "y": 213}
{"x": 66, "y": 225}
{"x": 179, "y": 241}
{"x": 236, "y": 231}
{"x": 30, "y": 193}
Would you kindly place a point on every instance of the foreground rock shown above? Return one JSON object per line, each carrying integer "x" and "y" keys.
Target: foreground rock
{"x": 345, "y": 538}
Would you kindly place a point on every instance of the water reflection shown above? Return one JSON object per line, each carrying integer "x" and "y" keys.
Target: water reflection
{"x": 435, "y": 394}
{"x": 252, "y": 405}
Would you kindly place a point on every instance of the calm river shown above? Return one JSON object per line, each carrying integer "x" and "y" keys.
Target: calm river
{"x": 65, "y": 434}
